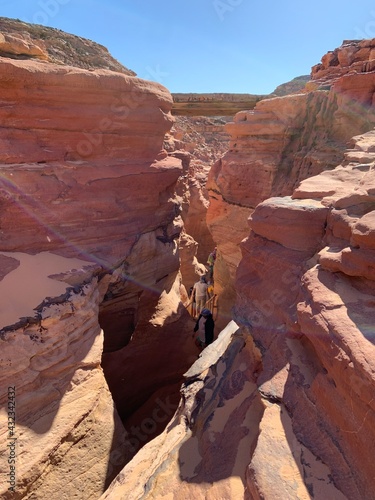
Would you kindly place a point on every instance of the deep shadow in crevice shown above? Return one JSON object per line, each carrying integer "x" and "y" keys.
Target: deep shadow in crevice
{"x": 143, "y": 364}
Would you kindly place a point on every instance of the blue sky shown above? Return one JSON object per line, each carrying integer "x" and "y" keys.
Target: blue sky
{"x": 234, "y": 46}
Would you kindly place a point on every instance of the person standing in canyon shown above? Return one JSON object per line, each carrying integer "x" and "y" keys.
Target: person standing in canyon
{"x": 200, "y": 294}
{"x": 210, "y": 290}
{"x": 205, "y": 327}
{"x": 211, "y": 262}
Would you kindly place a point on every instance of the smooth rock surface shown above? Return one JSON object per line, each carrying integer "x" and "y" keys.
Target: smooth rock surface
{"x": 309, "y": 307}
{"x": 89, "y": 229}
{"x": 285, "y": 140}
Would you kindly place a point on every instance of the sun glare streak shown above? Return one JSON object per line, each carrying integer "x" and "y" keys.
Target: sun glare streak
{"x": 40, "y": 213}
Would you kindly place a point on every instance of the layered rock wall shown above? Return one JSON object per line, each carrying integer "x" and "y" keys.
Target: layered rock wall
{"x": 223, "y": 428}
{"x": 66, "y": 426}
{"x": 199, "y": 142}
{"x": 85, "y": 183}
{"x": 282, "y": 402}
{"x": 304, "y": 286}
{"x": 305, "y": 293}
{"x": 273, "y": 148}
{"x": 212, "y": 104}
{"x": 281, "y": 405}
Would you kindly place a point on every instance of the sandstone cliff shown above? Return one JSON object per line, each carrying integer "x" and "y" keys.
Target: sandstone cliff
{"x": 212, "y": 104}
{"x": 203, "y": 141}
{"x": 278, "y": 144}
{"x": 282, "y": 404}
{"x": 304, "y": 287}
{"x": 305, "y": 294}
{"x": 88, "y": 256}
{"x": 92, "y": 212}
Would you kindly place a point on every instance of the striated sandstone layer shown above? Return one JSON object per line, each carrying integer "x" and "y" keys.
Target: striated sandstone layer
{"x": 223, "y": 424}
{"x": 66, "y": 425}
{"x": 198, "y": 142}
{"x": 306, "y": 294}
{"x": 89, "y": 256}
{"x": 62, "y": 145}
{"x": 274, "y": 147}
{"x": 200, "y": 454}
{"x": 212, "y": 104}
{"x": 281, "y": 405}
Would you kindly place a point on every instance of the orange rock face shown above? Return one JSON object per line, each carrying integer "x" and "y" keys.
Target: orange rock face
{"x": 85, "y": 181}
{"x": 277, "y": 145}
{"x": 306, "y": 295}
{"x": 351, "y": 57}
{"x": 64, "y": 149}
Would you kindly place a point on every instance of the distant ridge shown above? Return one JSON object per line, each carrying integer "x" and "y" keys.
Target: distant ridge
{"x": 293, "y": 87}
{"x": 59, "y": 47}
{"x": 214, "y": 104}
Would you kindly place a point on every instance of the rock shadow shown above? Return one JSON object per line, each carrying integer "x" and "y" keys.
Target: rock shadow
{"x": 224, "y": 421}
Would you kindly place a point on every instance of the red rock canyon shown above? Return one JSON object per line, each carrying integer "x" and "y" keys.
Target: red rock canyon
{"x": 113, "y": 192}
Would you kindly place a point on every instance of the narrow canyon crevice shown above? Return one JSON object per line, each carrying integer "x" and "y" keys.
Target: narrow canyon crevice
{"x": 144, "y": 414}
{"x": 145, "y": 355}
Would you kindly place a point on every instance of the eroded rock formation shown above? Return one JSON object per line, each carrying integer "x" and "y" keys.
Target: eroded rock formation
{"x": 212, "y": 104}
{"x": 354, "y": 56}
{"x": 306, "y": 294}
{"x": 282, "y": 404}
{"x": 198, "y": 142}
{"x": 274, "y": 147}
{"x": 89, "y": 229}
{"x": 93, "y": 206}
{"x": 21, "y": 40}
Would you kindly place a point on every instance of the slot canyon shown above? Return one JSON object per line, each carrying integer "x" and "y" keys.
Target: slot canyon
{"x": 113, "y": 192}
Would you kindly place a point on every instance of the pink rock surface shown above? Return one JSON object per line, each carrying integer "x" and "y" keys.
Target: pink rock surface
{"x": 353, "y": 56}
{"x": 283, "y": 141}
{"x": 292, "y": 391}
{"x": 50, "y": 118}
{"x": 84, "y": 180}
{"x": 221, "y": 424}
{"x": 283, "y": 406}
{"x": 81, "y": 207}
{"x": 283, "y": 220}
{"x": 205, "y": 140}
{"x": 327, "y": 221}
{"x": 307, "y": 297}
{"x": 304, "y": 301}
